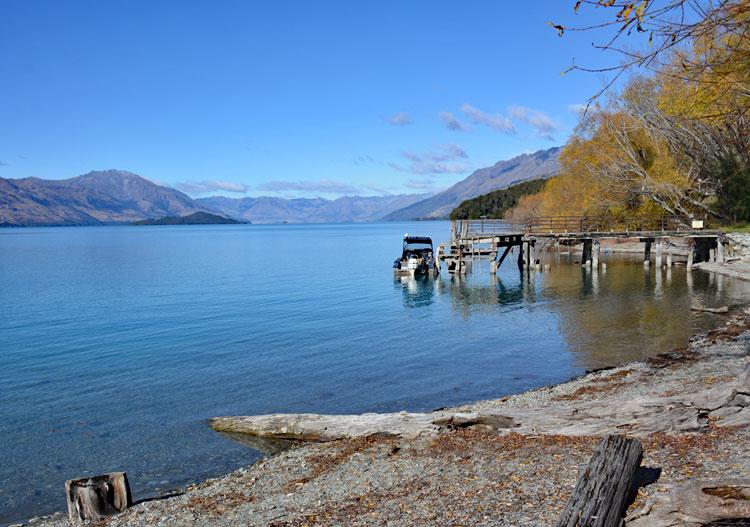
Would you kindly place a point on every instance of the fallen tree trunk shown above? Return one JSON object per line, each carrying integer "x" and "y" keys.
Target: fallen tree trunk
{"x": 696, "y": 504}
{"x": 640, "y": 416}
{"x": 322, "y": 428}
{"x": 722, "y": 309}
{"x": 601, "y": 495}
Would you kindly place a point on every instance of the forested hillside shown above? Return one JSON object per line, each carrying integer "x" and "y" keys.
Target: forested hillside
{"x": 496, "y": 203}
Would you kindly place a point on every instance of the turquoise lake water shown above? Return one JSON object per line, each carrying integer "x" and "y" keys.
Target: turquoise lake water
{"x": 118, "y": 343}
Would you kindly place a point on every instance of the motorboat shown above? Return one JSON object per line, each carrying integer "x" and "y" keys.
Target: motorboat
{"x": 417, "y": 257}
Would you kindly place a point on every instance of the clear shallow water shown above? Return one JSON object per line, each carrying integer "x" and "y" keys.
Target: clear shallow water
{"x": 116, "y": 344}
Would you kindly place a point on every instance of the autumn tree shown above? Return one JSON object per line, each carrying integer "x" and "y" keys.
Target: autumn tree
{"x": 706, "y": 40}
{"x": 675, "y": 141}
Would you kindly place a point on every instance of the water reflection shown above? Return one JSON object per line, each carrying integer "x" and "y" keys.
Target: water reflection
{"x": 606, "y": 317}
{"x": 418, "y": 291}
{"x": 484, "y": 291}
{"x": 634, "y": 311}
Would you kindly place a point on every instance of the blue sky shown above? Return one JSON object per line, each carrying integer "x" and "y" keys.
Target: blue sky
{"x": 285, "y": 98}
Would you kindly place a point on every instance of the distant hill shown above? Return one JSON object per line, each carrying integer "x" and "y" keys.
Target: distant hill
{"x": 309, "y": 210}
{"x": 539, "y": 165}
{"x": 196, "y": 218}
{"x": 496, "y": 203}
{"x": 96, "y": 198}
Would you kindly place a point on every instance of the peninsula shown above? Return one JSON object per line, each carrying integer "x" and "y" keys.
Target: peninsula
{"x": 196, "y": 218}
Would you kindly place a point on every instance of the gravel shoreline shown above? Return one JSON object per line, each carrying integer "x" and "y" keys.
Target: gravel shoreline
{"x": 471, "y": 476}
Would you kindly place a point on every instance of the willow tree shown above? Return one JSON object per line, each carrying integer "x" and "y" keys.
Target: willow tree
{"x": 613, "y": 167}
{"x": 651, "y": 33}
{"x": 680, "y": 138}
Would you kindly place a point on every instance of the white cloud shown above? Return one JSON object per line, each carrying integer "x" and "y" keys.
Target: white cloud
{"x": 325, "y": 186}
{"x": 495, "y": 121}
{"x": 451, "y": 122}
{"x": 400, "y": 119}
{"x": 443, "y": 159}
{"x": 205, "y": 187}
{"x": 539, "y": 121}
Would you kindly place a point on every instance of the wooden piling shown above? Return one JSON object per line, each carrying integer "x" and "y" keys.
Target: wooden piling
{"x": 97, "y": 497}
{"x": 587, "y": 247}
{"x": 659, "y": 248}
{"x": 595, "y": 254}
{"x": 601, "y": 495}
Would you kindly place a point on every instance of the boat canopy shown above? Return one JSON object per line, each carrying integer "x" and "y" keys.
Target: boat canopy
{"x": 417, "y": 244}
{"x": 417, "y": 239}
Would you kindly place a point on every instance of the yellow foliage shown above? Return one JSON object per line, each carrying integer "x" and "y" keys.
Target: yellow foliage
{"x": 612, "y": 173}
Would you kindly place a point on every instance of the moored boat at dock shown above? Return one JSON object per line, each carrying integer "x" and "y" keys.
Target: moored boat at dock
{"x": 417, "y": 257}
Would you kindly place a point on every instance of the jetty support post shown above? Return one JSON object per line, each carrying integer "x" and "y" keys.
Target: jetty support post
{"x": 647, "y": 249}
{"x": 502, "y": 258}
{"x": 719, "y": 250}
{"x": 527, "y": 254}
{"x": 659, "y": 250}
{"x": 453, "y": 232}
{"x": 493, "y": 256}
{"x": 97, "y": 497}
{"x": 601, "y": 494}
{"x": 691, "y": 252}
{"x": 521, "y": 254}
{"x": 595, "y": 253}
{"x": 587, "y": 246}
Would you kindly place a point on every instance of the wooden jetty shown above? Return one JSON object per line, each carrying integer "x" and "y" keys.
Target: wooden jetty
{"x": 496, "y": 239}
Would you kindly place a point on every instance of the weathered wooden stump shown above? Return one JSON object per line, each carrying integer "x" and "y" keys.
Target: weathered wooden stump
{"x": 601, "y": 494}
{"x": 99, "y": 496}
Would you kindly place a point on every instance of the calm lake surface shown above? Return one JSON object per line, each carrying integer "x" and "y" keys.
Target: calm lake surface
{"x": 118, "y": 343}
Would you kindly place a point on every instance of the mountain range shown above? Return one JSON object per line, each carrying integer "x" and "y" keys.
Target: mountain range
{"x": 539, "y": 165}
{"x": 116, "y": 196}
{"x": 310, "y": 210}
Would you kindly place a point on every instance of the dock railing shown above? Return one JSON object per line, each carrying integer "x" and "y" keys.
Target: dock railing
{"x": 557, "y": 225}
{"x": 492, "y": 226}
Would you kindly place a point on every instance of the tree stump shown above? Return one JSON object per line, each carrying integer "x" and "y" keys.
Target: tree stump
{"x": 99, "y": 496}
{"x": 601, "y": 494}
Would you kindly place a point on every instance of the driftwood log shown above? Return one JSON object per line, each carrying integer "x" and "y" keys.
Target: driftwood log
{"x": 97, "y": 497}
{"x": 639, "y": 415}
{"x": 697, "y": 504}
{"x": 322, "y": 428}
{"x": 722, "y": 309}
{"x": 601, "y": 495}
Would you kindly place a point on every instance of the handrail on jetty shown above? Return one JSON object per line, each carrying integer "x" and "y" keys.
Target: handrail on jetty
{"x": 557, "y": 225}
